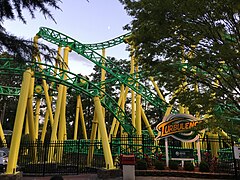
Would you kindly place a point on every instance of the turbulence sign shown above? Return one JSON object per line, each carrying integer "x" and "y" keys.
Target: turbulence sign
{"x": 178, "y": 126}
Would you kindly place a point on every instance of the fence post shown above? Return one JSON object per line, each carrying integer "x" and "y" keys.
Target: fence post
{"x": 78, "y": 144}
{"x": 143, "y": 145}
{"x": 44, "y": 157}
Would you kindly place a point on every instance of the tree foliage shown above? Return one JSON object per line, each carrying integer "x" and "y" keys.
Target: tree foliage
{"x": 11, "y": 10}
{"x": 8, "y": 104}
{"x": 193, "y": 45}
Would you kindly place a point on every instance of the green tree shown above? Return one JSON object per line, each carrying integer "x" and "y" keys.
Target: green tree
{"x": 20, "y": 48}
{"x": 191, "y": 44}
{"x": 8, "y": 103}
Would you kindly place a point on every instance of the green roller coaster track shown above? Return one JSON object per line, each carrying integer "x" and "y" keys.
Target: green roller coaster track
{"x": 109, "y": 43}
{"x": 132, "y": 82}
{"x": 72, "y": 81}
{"x": 9, "y": 91}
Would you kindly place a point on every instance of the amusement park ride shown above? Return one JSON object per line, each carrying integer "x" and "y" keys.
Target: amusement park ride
{"x": 57, "y": 78}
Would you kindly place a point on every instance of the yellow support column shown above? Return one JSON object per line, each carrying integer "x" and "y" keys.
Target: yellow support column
{"x": 102, "y": 126}
{"x": 79, "y": 111}
{"x": 18, "y": 124}
{"x": 117, "y": 123}
{"x": 57, "y": 113}
{"x": 44, "y": 129}
{"x": 92, "y": 139}
{"x": 103, "y": 78}
{"x": 62, "y": 125}
{"x": 82, "y": 120}
{"x": 76, "y": 118}
{"x": 3, "y": 139}
{"x": 30, "y": 118}
{"x": 30, "y": 110}
{"x": 132, "y": 92}
{"x": 62, "y": 122}
{"x": 114, "y": 122}
{"x": 123, "y": 134}
{"x": 26, "y": 131}
{"x": 148, "y": 126}
{"x": 157, "y": 89}
{"x": 37, "y": 114}
{"x": 56, "y": 120}
{"x": 45, "y": 86}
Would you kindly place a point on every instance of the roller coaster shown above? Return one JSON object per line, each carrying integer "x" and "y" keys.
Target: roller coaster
{"x": 56, "y": 79}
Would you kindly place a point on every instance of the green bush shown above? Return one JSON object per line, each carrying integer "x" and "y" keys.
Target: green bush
{"x": 188, "y": 166}
{"x": 141, "y": 164}
{"x": 173, "y": 165}
{"x": 159, "y": 165}
{"x": 204, "y": 167}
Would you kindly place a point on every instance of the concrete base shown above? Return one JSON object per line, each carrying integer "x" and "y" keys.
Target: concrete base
{"x": 16, "y": 176}
{"x": 109, "y": 174}
{"x": 128, "y": 172}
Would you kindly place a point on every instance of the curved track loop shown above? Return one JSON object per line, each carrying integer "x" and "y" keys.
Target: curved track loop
{"x": 132, "y": 82}
{"x": 72, "y": 81}
{"x": 109, "y": 43}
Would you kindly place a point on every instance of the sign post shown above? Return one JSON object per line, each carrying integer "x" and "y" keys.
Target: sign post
{"x": 180, "y": 127}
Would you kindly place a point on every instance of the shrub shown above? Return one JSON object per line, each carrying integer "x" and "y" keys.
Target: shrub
{"x": 204, "y": 167}
{"x": 148, "y": 160}
{"x": 159, "y": 165}
{"x": 141, "y": 164}
{"x": 188, "y": 166}
{"x": 173, "y": 165}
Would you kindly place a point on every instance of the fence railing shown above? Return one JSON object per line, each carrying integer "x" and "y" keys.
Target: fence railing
{"x": 83, "y": 156}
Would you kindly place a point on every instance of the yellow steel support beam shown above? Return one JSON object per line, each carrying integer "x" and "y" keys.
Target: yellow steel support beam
{"x": 30, "y": 118}
{"x": 62, "y": 122}
{"x": 44, "y": 129}
{"x": 103, "y": 78}
{"x": 48, "y": 112}
{"x": 45, "y": 86}
{"x": 132, "y": 64}
{"x": 138, "y": 115}
{"x": 79, "y": 111}
{"x": 57, "y": 113}
{"x": 156, "y": 88}
{"x": 18, "y": 124}
{"x": 114, "y": 122}
{"x": 37, "y": 114}
{"x": 62, "y": 125}
{"x": 83, "y": 124}
{"x": 3, "y": 139}
{"x": 59, "y": 101}
{"x": 76, "y": 118}
{"x": 30, "y": 110}
{"x": 102, "y": 126}
{"x": 124, "y": 99}
{"x": 148, "y": 126}
{"x": 26, "y": 130}
{"x": 56, "y": 120}
{"x": 92, "y": 139}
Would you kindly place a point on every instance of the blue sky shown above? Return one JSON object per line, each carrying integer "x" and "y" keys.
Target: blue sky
{"x": 87, "y": 22}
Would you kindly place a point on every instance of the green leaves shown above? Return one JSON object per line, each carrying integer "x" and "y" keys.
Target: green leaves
{"x": 20, "y": 48}
{"x": 190, "y": 43}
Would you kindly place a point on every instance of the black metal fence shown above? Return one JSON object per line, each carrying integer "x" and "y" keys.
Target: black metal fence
{"x": 74, "y": 157}
{"x": 67, "y": 157}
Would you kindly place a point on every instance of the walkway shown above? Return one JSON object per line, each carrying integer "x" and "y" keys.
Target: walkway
{"x": 94, "y": 177}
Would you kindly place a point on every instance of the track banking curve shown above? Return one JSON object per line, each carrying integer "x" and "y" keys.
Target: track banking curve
{"x": 87, "y": 51}
{"x": 72, "y": 81}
